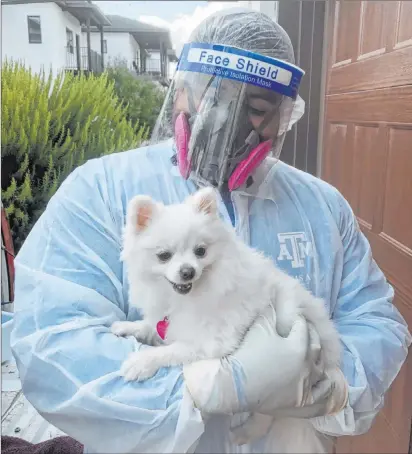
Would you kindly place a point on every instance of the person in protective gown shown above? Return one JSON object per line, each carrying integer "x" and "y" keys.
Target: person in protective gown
{"x": 232, "y": 100}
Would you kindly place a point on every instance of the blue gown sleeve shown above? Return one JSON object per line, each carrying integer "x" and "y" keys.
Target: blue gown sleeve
{"x": 69, "y": 290}
{"x": 374, "y": 335}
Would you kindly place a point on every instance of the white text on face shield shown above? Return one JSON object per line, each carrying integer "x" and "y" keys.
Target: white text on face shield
{"x": 235, "y": 75}
{"x": 260, "y": 68}
{"x": 235, "y": 62}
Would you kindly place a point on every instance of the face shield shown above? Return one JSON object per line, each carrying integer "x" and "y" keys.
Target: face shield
{"x": 228, "y": 109}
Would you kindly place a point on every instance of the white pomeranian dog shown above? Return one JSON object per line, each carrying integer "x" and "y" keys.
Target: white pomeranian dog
{"x": 200, "y": 288}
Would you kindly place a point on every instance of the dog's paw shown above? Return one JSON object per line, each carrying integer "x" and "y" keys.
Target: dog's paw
{"x": 140, "y": 330}
{"x": 121, "y": 328}
{"x": 139, "y": 366}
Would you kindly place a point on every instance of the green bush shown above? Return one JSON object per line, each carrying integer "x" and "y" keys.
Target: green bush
{"x": 141, "y": 98}
{"x": 49, "y": 127}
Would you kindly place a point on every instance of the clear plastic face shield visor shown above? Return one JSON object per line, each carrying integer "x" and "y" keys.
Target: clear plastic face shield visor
{"x": 229, "y": 109}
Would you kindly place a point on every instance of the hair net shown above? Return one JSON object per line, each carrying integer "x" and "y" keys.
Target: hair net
{"x": 247, "y": 29}
{"x": 232, "y": 100}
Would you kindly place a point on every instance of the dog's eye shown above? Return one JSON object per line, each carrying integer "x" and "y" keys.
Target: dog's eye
{"x": 164, "y": 256}
{"x": 200, "y": 251}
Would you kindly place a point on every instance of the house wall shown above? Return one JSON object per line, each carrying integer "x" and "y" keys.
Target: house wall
{"x": 304, "y": 22}
{"x": 153, "y": 62}
{"x": 268, "y": 7}
{"x": 73, "y": 24}
{"x": 135, "y": 50}
{"x": 119, "y": 46}
{"x": 51, "y": 52}
{"x": 70, "y": 22}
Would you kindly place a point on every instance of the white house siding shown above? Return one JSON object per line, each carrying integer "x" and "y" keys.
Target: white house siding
{"x": 135, "y": 50}
{"x": 268, "y": 7}
{"x": 70, "y": 22}
{"x": 120, "y": 46}
{"x": 51, "y": 52}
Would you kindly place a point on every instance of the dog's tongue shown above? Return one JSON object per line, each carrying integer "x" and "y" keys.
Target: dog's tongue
{"x": 162, "y": 327}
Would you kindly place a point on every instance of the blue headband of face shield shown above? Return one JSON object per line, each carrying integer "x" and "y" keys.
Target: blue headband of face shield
{"x": 216, "y": 141}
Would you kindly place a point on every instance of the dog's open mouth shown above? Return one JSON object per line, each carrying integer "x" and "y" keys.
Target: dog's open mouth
{"x": 182, "y": 289}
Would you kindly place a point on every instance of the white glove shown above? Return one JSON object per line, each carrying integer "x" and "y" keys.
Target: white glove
{"x": 268, "y": 374}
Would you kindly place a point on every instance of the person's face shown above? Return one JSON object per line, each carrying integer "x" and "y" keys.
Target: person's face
{"x": 260, "y": 103}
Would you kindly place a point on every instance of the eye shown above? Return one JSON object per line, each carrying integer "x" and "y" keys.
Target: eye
{"x": 199, "y": 251}
{"x": 257, "y": 112}
{"x": 164, "y": 256}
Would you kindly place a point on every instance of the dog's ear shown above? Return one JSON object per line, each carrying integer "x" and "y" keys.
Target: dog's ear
{"x": 140, "y": 212}
{"x": 205, "y": 201}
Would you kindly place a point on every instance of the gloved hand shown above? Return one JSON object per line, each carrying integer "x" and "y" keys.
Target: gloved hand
{"x": 325, "y": 393}
{"x": 269, "y": 375}
{"x": 328, "y": 396}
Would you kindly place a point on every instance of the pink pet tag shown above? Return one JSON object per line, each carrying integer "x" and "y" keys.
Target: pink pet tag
{"x": 161, "y": 327}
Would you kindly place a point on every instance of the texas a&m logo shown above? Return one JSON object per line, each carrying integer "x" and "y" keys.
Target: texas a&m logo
{"x": 294, "y": 247}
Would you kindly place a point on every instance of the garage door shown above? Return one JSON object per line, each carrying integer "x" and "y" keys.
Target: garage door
{"x": 367, "y": 155}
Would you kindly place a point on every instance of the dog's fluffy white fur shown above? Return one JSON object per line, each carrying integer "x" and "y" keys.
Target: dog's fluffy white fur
{"x": 208, "y": 313}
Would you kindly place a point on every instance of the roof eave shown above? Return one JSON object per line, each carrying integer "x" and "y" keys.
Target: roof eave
{"x": 91, "y": 11}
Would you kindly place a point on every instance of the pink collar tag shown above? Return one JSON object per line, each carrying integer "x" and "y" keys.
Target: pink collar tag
{"x": 161, "y": 327}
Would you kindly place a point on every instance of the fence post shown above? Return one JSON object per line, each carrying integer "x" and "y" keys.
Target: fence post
{"x": 78, "y": 57}
{"x": 102, "y": 45}
{"x": 89, "y": 50}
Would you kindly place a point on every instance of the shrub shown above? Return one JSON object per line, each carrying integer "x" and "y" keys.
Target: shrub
{"x": 49, "y": 127}
{"x": 141, "y": 98}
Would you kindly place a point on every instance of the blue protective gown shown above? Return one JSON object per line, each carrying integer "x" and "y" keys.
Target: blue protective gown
{"x": 71, "y": 286}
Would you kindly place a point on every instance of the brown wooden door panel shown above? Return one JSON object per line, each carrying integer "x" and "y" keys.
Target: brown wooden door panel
{"x": 368, "y": 156}
{"x": 390, "y": 431}
{"x": 345, "y": 40}
{"x": 385, "y": 105}
{"x": 372, "y": 73}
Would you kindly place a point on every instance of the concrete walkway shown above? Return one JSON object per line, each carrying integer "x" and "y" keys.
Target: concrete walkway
{"x": 18, "y": 417}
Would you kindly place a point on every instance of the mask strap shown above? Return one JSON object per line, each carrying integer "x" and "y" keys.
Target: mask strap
{"x": 207, "y": 88}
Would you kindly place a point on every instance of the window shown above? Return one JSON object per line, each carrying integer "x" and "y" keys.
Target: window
{"x": 105, "y": 46}
{"x": 69, "y": 41}
{"x": 33, "y": 23}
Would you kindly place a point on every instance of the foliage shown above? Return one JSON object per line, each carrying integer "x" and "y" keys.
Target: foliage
{"x": 142, "y": 98}
{"x": 50, "y": 125}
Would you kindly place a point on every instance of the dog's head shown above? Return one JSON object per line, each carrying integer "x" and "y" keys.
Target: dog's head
{"x": 178, "y": 243}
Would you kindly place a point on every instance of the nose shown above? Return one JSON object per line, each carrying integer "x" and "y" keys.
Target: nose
{"x": 187, "y": 272}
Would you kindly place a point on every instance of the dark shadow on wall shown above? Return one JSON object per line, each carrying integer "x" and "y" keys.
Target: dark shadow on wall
{"x": 304, "y": 22}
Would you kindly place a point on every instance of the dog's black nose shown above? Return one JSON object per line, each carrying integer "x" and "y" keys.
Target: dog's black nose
{"x": 187, "y": 272}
